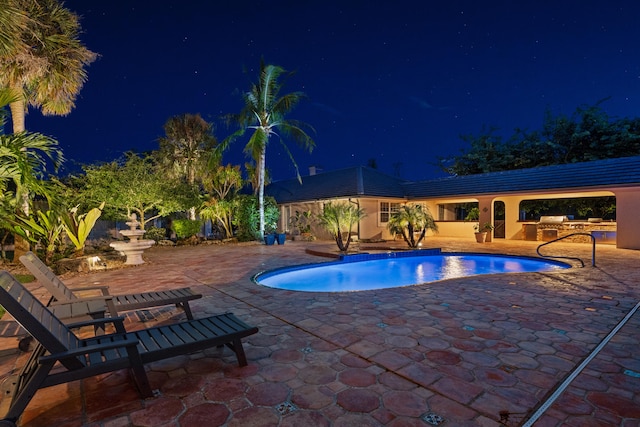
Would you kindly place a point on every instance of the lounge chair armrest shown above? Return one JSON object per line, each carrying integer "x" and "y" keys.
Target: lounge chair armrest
{"x": 128, "y": 342}
{"x": 104, "y": 298}
{"x": 118, "y": 322}
{"x": 102, "y": 288}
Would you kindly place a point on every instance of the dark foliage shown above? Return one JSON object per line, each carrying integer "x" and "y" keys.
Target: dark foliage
{"x": 589, "y": 134}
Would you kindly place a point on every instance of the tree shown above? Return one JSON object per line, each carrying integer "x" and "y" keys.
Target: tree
{"x": 223, "y": 183}
{"x": 588, "y": 134}
{"x": 410, "y": 220}
{"x": 135, "y": 186}
{"x": 264, "y": 113}
{"x": 339, "y": 219}
{"x": 188, "y": 148}
{"x": 13, "y": 21}
{"x": 46, "y": 70}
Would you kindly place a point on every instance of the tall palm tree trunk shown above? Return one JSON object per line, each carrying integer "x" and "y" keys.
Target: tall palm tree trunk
{"x": 21, "y": 245}
{"x": 17, "y": 115}
{"x": 261, "y": 177}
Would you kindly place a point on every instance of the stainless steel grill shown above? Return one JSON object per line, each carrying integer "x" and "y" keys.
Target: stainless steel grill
{"x": 552, "y": 222}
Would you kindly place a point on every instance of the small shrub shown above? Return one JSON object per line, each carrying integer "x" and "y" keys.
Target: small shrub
{"x": 185, "y": 228}
{"x": 155, "y": 233}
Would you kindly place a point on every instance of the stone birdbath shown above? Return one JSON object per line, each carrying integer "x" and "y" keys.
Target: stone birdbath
{"x": 132, "y": 248}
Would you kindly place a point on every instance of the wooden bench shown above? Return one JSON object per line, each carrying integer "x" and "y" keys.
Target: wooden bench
{"x": 77, "y": 358}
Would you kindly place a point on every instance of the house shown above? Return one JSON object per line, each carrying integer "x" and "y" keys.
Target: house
{"x": 380, "y": 194}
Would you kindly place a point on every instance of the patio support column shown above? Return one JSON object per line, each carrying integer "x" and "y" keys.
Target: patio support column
{"x": 485, "y": 205}
{"x": 628, "y": 227}
{"x": 513, "y": 228}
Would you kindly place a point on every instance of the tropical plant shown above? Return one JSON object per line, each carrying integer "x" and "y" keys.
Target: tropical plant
{"x": 188, "y": 148}
{"x": 264, "y": 113}
{"x": 339, "y": 219}
{"x": 78, "y": 226}
{"x": 186, "y": 228}
{"x": 219, "y": 211}
{"x": 301, "y": 221}
{"x": 223, "y": 183}
{"x": 485, "y": 228}
{"x": 46, "y": 68}
{"x": 44, "y": 228}
{"x": 23, "y": 161}
{"x": 246, "y": 218}
{"x": 410, "y": 220}
{"x": 473, "y": 214}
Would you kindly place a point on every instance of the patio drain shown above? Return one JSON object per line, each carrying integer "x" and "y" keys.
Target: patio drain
{"x": 508, "y": 368}
{"x": 432, "y": 419}
{"x": 286, "y": 408}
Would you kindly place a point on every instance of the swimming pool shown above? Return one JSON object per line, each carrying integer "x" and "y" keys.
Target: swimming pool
{"x": 395, "y": 269}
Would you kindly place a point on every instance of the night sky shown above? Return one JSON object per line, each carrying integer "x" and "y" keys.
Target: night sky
{"x": 397, "y": 82}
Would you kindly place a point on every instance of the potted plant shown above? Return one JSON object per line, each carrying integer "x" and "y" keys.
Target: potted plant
{"x": 270, "y": 233}
{"x": 281, "y": 237}
{"x": 481, "y": 231}
{"x": 301, "y": 224}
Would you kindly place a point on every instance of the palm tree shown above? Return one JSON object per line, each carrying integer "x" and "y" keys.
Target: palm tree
{"x": 41, "y": 62}
{"x": 264, "y": 114}
{"x": 412, "y": 219}
{"x": 13, "y": 21}
{"x": 339, "y": 219}
{"x": 46, "y": 70}
{"x": 188, "y": 148}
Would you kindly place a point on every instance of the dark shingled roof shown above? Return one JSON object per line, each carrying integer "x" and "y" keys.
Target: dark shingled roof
{"x": 600, "y": 173}
{"x": 352, "y": 182}
{"x": 365, "y": 182}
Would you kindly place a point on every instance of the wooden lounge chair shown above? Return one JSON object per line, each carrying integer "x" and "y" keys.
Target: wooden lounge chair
{"x": 76, "y": 358}
{"x": 115, "y": 303}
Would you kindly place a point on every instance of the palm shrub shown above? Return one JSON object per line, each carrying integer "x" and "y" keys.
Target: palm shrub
{"x": 411, "y": 220}
{"x": 338, "y": 219}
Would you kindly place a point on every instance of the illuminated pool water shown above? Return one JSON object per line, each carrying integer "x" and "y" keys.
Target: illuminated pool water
{"x": 391, "y": 270}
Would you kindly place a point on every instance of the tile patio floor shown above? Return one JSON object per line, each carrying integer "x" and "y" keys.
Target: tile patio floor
{"x": 452, "y": 353}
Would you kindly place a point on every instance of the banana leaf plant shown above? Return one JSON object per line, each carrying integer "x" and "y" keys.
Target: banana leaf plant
{"x": 78, "y": 226}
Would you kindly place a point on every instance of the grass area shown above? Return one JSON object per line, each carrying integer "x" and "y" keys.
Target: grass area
{"x": 22, "y": 278}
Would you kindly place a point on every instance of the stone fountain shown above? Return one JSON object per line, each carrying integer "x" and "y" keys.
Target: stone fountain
{"x": 132, "y": 248}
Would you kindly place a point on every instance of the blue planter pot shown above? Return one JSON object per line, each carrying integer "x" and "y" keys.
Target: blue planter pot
{"x": 269, "y": 239}
{"x": 281, "y": 238}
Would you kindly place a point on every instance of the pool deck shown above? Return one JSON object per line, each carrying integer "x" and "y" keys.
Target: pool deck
{"x": 477, "y": 351}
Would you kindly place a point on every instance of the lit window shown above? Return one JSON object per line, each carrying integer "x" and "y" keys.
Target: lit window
{"x": 386, "y": 209}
